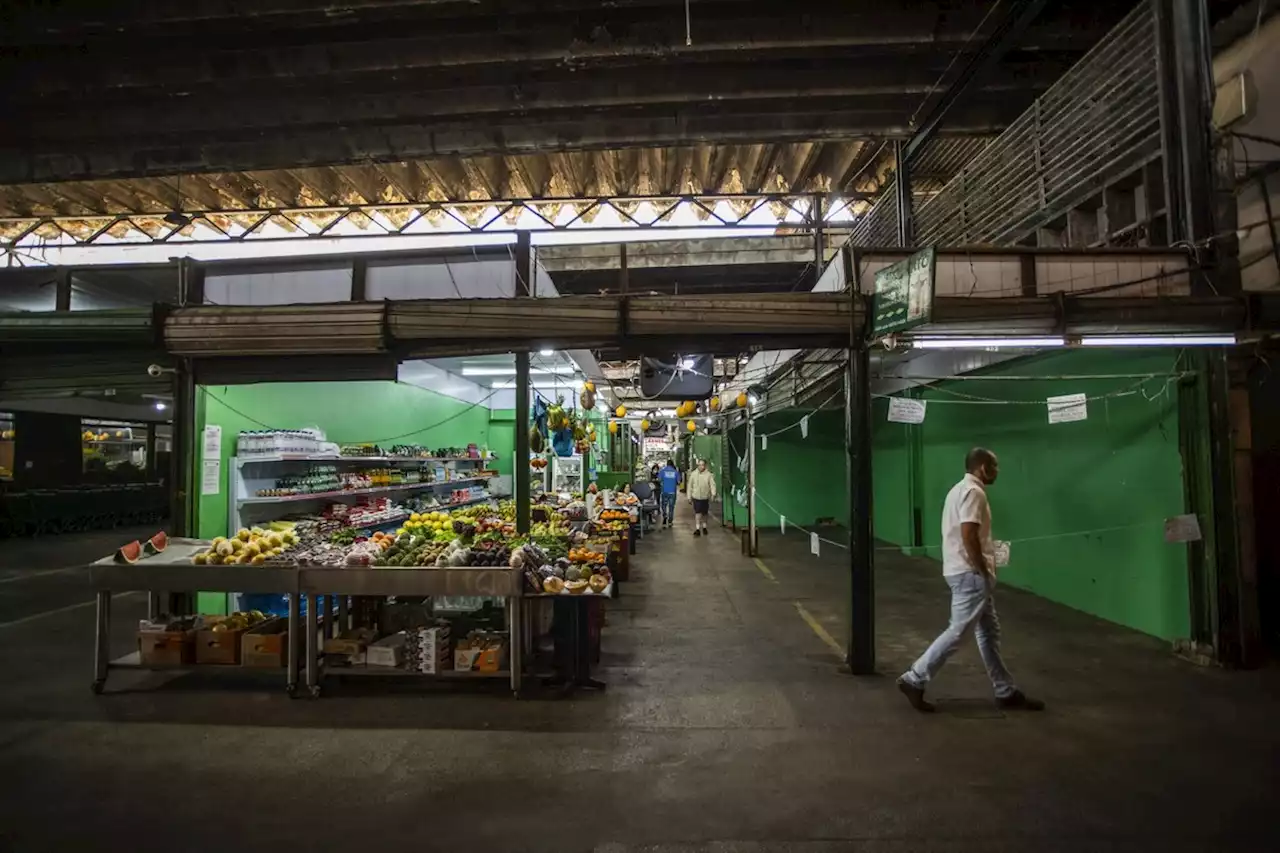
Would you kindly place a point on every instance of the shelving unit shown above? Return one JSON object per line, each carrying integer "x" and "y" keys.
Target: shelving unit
{"x": 254, "y": 473}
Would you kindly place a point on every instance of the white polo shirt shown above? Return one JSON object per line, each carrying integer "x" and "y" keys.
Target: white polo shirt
{"x": 966, "y": 502}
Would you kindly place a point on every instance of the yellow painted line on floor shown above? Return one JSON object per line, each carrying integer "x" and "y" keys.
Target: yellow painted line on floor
{"x": 762, "y": 567}
{"x": 817, "y": 628}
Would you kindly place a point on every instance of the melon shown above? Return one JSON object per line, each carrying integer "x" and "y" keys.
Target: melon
{"x": 157, "y": 543}
{"x": 130, "y": 553}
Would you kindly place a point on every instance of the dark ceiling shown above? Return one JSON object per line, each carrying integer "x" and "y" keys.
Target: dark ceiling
{"x": 151, "y": 87}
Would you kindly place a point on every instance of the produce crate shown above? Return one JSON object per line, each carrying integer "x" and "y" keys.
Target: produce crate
{"x": 265, "y": 645}
{"x": 218, "y": 647}
{"x": 166, "y": 648}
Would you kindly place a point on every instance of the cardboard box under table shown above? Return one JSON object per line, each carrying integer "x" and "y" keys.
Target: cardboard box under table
{"x": 266, "y": 645}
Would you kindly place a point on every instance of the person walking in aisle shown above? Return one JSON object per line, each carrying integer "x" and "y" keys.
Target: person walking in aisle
{"x": 702, "y": 488}
{"x": 969, "y": 568}
{"x": 669, "y": 477}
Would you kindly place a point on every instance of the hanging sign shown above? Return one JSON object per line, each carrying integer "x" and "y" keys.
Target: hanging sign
{"x": 804, "y": 427}
{"x": 904, "y": 410}
{"x": 813, "y": 544}
{"x": 904, "y": 294}
{"x": 1182, "y": 528}
{"x": 1068, "y": 408}
{"x": 764, "y": 442}
{"x": 782, "y": 522}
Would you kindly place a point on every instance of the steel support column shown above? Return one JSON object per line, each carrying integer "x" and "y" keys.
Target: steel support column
{"x": 62, "y": 290}
{"x": 861, "y": 655}
{"x": 183, "y": 459}
{"x": 902, "y": 194}
{"x": 753, "y": 541}
{"x": 1186, "y": 106}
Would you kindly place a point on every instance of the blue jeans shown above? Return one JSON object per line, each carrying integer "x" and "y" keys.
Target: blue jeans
{"x": 973, "y": 605}
{"x": 668, "y": 507}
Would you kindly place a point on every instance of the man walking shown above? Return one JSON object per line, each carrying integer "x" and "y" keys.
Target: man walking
{"x": 669, "y": 477}
{"x": 969, "y": 567}
{"x": 702, "y": 488}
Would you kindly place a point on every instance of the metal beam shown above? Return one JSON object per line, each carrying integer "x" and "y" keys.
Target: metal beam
{"x": 1004, "y": 36}
{"x": 232, "y": 225}
{"x": 902, "y": 195}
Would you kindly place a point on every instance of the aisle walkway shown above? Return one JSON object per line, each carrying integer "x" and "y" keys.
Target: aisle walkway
{"x": 726, "y": 726}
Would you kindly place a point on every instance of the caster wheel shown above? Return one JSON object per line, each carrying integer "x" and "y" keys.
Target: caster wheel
{"x": 97, "y": 687}
{"x": 291, "y": 690}
{"x": 315, "y": 691}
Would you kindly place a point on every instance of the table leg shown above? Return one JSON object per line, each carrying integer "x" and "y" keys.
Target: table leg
{"x": 101, "y": 641}
{"x": 295, "y": 644}
{"x": 153, "y": 605}
{"x": 313, "y": 646}
{"x": 582, "y": 648}
{"x": 328, "y": 616}
{"x": 343, "y": 615}
{"x": 515, "y": 635}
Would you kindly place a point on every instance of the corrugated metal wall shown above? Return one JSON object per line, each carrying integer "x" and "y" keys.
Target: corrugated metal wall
{"x": 1097, "y": 123}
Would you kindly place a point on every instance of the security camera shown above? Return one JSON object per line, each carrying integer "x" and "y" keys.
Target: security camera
{"x": 155, "y": 371}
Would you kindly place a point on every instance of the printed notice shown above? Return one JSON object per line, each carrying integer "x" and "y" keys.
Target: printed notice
{"x": 212, "y": 442}
{"x": 1068, "y": 408}
{"x": 211, "y": 461}
{"x": 211, "y": 478}
{"x": 904, "y": 410}
{"x": 813, "y": 544}
{"x": 1182, "y": 528}
{"x": 1002, "y": 553}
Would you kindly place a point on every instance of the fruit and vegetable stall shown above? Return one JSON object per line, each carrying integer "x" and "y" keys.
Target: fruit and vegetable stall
{"x": 356, "y": 601}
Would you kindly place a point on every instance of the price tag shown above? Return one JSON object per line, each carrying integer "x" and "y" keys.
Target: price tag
{"x": 804, "y": 427}
{"x": 813, "y": 544}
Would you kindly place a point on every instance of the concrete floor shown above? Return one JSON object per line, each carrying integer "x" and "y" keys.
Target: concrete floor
{"x": 726, "y": 726}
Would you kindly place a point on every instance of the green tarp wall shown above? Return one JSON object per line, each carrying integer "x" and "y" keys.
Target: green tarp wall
{"x": 1083, "y": 503}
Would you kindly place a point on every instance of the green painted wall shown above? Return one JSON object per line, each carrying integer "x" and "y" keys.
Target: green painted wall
{"x": 384, "y": 413}
{"x": 1083, "y": 502}
{"x": 801, "y": 478}
{"x": 502, "y": 439}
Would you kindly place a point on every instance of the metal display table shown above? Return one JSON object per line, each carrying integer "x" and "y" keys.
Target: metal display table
{"x": 576, "y": 635}
{"x": 172, "y": 571}
{"x": 343, "y": 582}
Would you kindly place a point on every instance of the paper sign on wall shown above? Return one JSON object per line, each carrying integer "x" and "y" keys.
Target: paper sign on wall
{"x": 211, "y": 477}
{"x": 813, "y": 544}
{"x": 904, "y": 410}
{"x": 764, "y": 442}
{"x": 211, "y": 460}
{"x": 1182, "y": 528}
{"x": 804, "y": 427}
{"x": 782, "y": 522}
{"x": 1002, "y": 553}
{"x": 1068, "y": 408}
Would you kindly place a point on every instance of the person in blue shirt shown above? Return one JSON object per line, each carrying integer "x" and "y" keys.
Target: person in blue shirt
{"x": 670, "y": 479}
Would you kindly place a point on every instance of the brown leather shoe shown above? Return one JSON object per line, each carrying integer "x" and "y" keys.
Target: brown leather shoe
{"x": 1019, "y": 701}
{"x": 915, "y": 696}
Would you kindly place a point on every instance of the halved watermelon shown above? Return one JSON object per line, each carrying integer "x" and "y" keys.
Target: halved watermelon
{"x": 157, "y": 543}
{"x": 129, "y": 553}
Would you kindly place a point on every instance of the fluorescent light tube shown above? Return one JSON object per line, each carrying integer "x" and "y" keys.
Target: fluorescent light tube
{"x": 1158, "y": 341}
{"x": 511, "y": 371}
{"x": 984, "y": 343}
